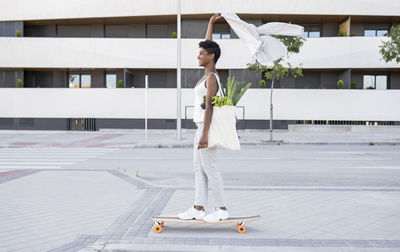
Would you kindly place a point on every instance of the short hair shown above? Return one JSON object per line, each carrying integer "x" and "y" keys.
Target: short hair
{"x": 212, "y": 48}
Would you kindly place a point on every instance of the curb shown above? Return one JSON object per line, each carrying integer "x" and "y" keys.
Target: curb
{"x": 254, "y": 143}
{"x": 161, "y": 146}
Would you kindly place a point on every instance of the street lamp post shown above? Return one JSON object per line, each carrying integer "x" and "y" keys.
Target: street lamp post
{"x": 178, "y": 73}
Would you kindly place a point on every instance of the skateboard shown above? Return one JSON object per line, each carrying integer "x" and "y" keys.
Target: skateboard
{"x": 240, "y": 220}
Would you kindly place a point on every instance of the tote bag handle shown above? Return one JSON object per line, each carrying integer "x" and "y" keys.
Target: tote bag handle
{"x": 219, "y": 85}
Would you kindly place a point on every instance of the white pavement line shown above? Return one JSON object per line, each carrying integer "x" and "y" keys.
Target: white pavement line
{"x": 248, "y": 158}
{"x": 36, "y": 163}
{"x": 342, "y": 152}
{"x": 47, "y": 154}
{"x": 7, "y": 167}
{"x": 140, "y": 158}
{"x": 271, "y": 187}
{"x": 63, "y": 159}
{"x": 366, "y": 152}
{"x": 350, "y": 158}
{"x": 376, "y": 167}
{"x": 58, "y": 151}
{"x": 58, "y": 148}
{"x": 189, "y": 158}
{"x": 288, "y": 187}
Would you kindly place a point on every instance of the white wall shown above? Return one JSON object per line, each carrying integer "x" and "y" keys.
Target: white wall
{"x": 317, "y": 53}
{"x": 65, "y": 9}
{"x": 289, "y": 104}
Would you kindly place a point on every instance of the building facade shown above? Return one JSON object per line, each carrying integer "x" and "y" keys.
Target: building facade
{"x": 78, "y": 64}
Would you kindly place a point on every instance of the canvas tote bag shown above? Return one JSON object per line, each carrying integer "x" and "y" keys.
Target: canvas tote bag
{"x": 222, "y": 131}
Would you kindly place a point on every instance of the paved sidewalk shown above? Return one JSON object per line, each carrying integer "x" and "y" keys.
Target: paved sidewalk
{"x": 114, "y": 138}
{"x": 96, "y": 191}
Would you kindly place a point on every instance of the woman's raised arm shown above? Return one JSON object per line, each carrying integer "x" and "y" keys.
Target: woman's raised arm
{"x": 213, "y": 19}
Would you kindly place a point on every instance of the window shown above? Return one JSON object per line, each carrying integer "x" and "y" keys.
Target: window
{"x": 226, "y": 36}
{"x": 375, "y": 32}
{"x": 381, "y": 33}
{"x": 373, "y": 81}
{"x": 221, "y": 36}
{"x": 111, "y": 80}
{"x": 312, "y": 31}
{"x": 85, "y": 80}
{"x": 77, "y": 80}
{"x": 381, "y": 82}
{"x": 74, "y": 81}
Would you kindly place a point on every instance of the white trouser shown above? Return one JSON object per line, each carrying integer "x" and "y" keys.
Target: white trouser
{"x": 206, "y": 170}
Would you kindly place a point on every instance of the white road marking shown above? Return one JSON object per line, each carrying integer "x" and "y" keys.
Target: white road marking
{"x": 36, "y": 163}
{"x": 41, "y": 160}
{"x": 376, "y": 167}
{"x": 7, "y": 167}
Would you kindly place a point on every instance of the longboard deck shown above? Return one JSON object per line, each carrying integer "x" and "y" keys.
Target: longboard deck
{"x": 232, "y": 219}
{"x": 239, "y": 220}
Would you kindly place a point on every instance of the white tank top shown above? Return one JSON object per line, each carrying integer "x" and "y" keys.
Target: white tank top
{"x": 199, "y": 91}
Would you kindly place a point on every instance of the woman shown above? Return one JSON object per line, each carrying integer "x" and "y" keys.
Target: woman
{"x": 204, "y": 159}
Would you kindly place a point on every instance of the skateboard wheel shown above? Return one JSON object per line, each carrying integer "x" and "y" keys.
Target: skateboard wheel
{"x": 162, "y": 224}
{"x": 241, "y": 229}
{"x": 157, "y": 229}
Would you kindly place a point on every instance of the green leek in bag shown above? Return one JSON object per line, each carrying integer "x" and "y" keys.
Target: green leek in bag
{"x": 233, "y": 92}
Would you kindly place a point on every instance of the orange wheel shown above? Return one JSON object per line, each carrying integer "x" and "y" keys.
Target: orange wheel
{"x": 162, "y": 224}
{"x": 241, "y": 229}
{"x": 157, "y": 229}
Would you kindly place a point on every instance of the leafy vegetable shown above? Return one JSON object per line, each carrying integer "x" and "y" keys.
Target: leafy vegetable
{"x": 233, "y": 92}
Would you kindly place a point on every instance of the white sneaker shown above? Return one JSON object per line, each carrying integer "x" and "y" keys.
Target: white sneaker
{"x": 217, "y": 215}
{"x": 191, "y": 214}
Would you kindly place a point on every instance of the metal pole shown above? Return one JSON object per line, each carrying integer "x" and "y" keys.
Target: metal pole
{"x": 271, "y": 111}
{"x": 178, "y": 73}
{"x": 146, "y": 81}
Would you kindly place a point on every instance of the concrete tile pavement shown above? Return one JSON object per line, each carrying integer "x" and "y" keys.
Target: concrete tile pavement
{"x": 72, "y": 209}
{"x": 296, "y": 215}
{"x": 44, "y": 210}
{"x": 87, "y": 210}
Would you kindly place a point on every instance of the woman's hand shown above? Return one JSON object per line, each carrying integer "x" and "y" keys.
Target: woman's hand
{"x": 203, "y": 143}
{"x": 215, "y": 17}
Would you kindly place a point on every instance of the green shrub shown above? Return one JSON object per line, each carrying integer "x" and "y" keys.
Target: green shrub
{"x": 322, "y": 86}
{"x": 307, "y": 86}
{"x": 342, "y": 33}
{"x": 340, "y": 84}
{"x": 120, "y": 83}
{"x": 174, "y": 35}
{"x": 353, "y": 85}
{"x": 20, "y": 84}
{"x": 370, "y": 87}
{"x": 352, "y": 35}
{"x": 262, "y": 84}
{"x": 18, "y": 33}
